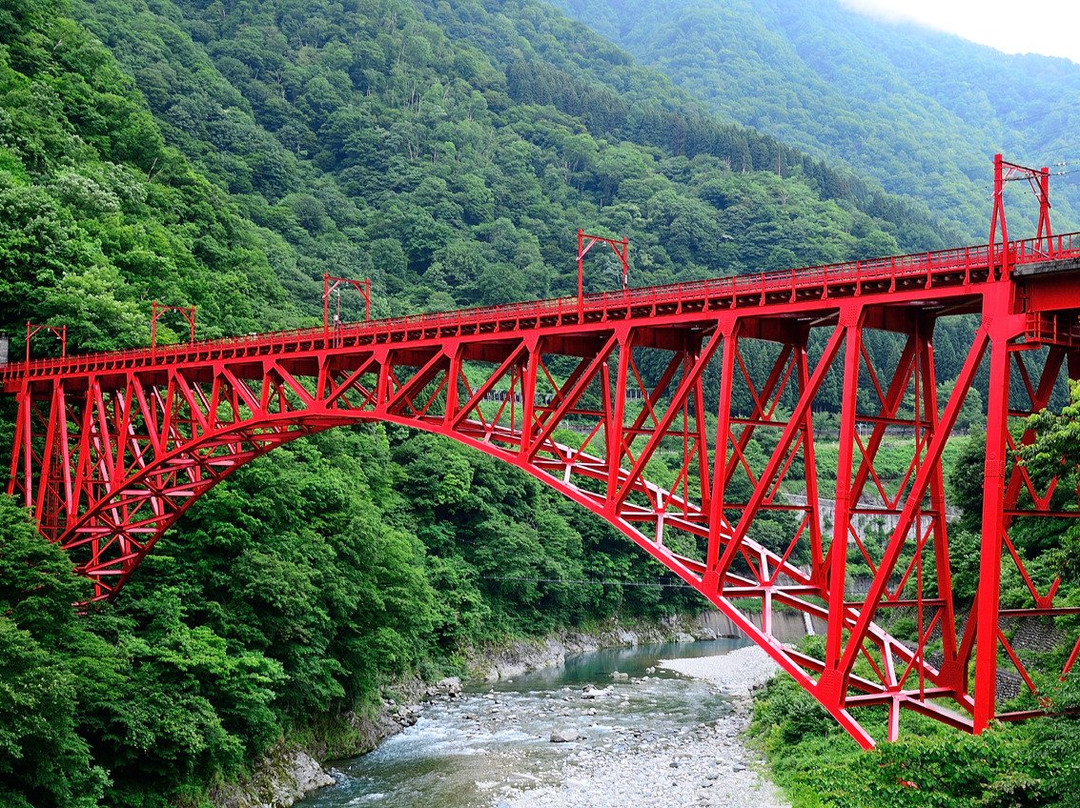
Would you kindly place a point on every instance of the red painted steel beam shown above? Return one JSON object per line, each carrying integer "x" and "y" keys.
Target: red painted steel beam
{"x": 111, "y": 449}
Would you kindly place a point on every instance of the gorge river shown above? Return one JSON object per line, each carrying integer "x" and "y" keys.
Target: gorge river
{"x": 492, "y": 746}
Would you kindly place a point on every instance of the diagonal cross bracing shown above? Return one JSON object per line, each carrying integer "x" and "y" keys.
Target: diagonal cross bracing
{"x": 110, "y": 450}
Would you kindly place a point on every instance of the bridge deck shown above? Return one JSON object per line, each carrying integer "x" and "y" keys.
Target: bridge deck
{"x": 593, "y": 395}
{"x": 942, "y": 270}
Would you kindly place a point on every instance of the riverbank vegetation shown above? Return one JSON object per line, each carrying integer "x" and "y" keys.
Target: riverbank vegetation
{"x": 227, "y": 155}
{"x": 1017, "y": 765}
{"x": 1031, "y": 764}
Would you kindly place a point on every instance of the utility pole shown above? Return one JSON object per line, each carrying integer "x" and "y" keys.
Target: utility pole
{"x": 585, "y": 242}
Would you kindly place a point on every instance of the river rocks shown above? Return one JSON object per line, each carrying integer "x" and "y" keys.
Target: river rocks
{"x": 619, "y": 676}
{"x": 308, "y": 775}
{"x": 449, "y": 688}
{"x": 704, "y": 768}
{"x": 590, "y": 692}
{"x": 565, "y": 735}
{"x": 695, "y": 765}
{"x": 285, "y": 776}
{"x": 405, "y": 716}
{"x": 738, "y": 672}
{"x": 491, "y": 665}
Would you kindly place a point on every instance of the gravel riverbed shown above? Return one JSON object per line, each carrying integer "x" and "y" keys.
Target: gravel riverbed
{"x": 705, "y": 764}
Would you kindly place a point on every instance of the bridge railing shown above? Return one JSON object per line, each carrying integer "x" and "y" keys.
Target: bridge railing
{"x": 731, "y": 288}
{"x": 1033, "y": 250}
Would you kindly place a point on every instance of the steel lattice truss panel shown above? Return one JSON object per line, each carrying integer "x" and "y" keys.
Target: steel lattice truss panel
{"x": 681, "y": 415}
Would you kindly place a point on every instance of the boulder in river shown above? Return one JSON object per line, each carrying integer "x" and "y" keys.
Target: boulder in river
{"x": 565, "y": 735}
{"x": 450, "y": 688}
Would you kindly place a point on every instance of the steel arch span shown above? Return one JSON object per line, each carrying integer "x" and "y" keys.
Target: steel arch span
{"x": 679, "y": 414}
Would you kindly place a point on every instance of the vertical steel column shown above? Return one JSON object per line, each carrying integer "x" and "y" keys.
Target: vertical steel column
{"x": 729, "y": 332}
{"x": 48, "y": 454}
{"x": 580, "y": 276}
{"x": 832, "y": 684}
{"x": 616, "y": 436}
{"x": 702, "y": 434}
{"x": 326, "y": 307}
{"x": 1044, "y": 231}
{"x": 817, "y": 568}
{"x": 384, "y": 383}
{"x": 26, "y": 421}
{"x": 937, "y": 507}
{"x": 452, "y": 374}
{"x": 19, "y": 444}
{"x": 996, "y": 216}
{"x": 995, "y": 315}
{"x": 67, "y": 503}
{"x": 528, "y": 397}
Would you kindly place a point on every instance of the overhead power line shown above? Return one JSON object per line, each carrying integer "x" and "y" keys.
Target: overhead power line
{"x": 587, "y": 582}
{"x": 1041, "y": 113}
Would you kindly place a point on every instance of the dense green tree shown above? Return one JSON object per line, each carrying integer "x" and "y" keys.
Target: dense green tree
{"x": 920, "y": 111}
{"x": 44, "y": 761}
{"x": 226, "y": 156}
{"x": 1013, "y": 765}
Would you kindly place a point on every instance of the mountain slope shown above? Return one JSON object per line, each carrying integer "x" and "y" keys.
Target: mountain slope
{"x": 453, "y": 151}
{"x": 921, "y": 111}
{"x": 226, "y": 155}
{"x": 98, "y": 214}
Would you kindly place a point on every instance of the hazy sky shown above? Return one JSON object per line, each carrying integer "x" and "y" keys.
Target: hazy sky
{"x": 1034, "y": 26}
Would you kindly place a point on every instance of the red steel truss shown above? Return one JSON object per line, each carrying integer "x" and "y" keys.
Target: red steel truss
{"x": 681, "y": 414}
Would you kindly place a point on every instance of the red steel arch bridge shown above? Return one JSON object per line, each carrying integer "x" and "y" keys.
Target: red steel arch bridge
{"x": 680, "y": 414}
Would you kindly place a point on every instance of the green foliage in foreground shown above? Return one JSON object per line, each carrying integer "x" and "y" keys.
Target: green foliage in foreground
{"x": 118, "y": 709}
{"x": 1023, "y": 765}
{"x": 345, "y": 563}
{"x": 225, "y": 157}
{"x": 1028, "y": 764}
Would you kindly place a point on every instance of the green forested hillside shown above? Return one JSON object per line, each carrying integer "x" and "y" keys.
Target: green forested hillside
{"x": 476, "y": 139}
{"x": 921, "y": 111}
{"x": 381, "y": 139}
{"x": 98, "y": 214}
{"x": 226, "y": 156}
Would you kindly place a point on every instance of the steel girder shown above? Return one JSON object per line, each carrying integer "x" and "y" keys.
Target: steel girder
{"x": 683, "y": 416}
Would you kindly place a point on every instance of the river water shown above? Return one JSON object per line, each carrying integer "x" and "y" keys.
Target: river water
{"x": 496, "y": 739}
